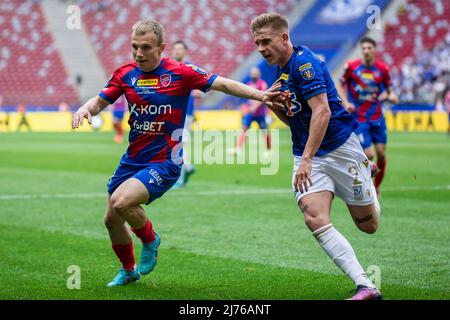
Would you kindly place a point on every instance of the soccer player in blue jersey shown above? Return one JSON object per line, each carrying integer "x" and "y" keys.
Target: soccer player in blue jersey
{"x": 179, "y": 51}
{"x": 157, "y": 90}
{"x": 367, "y": 82}
{"x": 328, "y": 159}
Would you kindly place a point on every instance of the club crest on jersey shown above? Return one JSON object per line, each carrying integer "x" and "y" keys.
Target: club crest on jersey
{"x": 307, "y": 71}
{"x": 165, "y": 79}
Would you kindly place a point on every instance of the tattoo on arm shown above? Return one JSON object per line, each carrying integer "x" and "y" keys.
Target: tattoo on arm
{"x": 363, "y": 219}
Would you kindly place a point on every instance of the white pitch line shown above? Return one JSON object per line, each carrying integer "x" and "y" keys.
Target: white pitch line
{"x": 242, "y": 192}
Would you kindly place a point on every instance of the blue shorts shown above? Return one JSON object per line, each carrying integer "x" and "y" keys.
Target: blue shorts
{"x": 372, "y": 132}
{"x": 157, "y": 177}
{"x": 118, "y": 115}
{"x": 248, "y": 119}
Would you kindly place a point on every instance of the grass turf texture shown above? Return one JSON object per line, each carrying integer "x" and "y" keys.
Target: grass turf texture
{"x": 248, "y": 245}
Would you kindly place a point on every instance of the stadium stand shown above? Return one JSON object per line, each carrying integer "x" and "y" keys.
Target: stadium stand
{"x": 216, "y": 32}
{"x": 419, "y": 26}
{"x": 425, "y": 77}
{"x": 31, "y": 69}
{"x": 417, "y": 46}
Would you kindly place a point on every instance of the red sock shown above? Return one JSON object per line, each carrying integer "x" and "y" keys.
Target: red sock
{"x": 125, "y": 254}
{"x": 241, "y": 139}
{"x": 119, "y": 129}
{"x": 146, "y": 233}
{"x": 381, "y": 163}
{"x": 269, "y": 145}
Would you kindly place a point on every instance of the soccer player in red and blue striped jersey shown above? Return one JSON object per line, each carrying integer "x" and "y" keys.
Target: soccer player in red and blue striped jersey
{"x": 256, "y": 111}
{"x": 366, "y": 83}
{"x": 157, "y": 90}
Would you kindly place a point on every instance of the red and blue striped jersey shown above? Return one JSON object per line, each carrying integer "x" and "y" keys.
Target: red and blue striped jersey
{"x": 157, "y": 103}
{"x": 364, "y": 85}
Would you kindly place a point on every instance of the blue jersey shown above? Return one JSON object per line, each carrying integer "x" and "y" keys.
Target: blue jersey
{"x": 303, "y": 77}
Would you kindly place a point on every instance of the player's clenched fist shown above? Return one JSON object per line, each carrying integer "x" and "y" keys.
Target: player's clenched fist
{"x": 77, "y": 117}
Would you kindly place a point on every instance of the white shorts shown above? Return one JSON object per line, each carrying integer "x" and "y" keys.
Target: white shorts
{"x": 344, "y": 171}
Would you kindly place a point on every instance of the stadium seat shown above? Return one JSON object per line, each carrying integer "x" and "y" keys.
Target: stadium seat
{"x": 31, "y": 68}
{"x": 419, "y": 26}
{"x": 216, "y": 32}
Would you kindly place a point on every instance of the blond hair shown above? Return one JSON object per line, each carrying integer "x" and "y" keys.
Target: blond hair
{"x": 274, "y": 20}
{"x": 143, "y": 26}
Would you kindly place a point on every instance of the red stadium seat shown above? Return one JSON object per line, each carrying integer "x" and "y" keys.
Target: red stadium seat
{"x": 31, "y": 69}
{"x": 216, "y": 32}
{"x": 419, "y": 26}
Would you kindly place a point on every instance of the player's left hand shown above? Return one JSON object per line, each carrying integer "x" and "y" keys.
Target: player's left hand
{"x": 303, "y": 176}
{"x": 273, "y": 97}
{"x": 392, "y": 98}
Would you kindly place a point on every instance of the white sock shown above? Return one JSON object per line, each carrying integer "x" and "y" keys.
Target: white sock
{"x": 341, "y": 252}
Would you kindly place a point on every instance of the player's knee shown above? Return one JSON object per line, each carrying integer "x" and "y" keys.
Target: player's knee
{"x": 315, "y": 221}
{"x": 119, "y": 202}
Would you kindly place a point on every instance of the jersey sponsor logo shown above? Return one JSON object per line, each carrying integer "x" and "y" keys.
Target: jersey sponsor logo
{"x": 133, "y": 81}
{"x": 367, "y": 76}
{"x": 152, "y": 127}
{"x": 156, "y": 177}
{"x": 284, "y": 76}
{"x": 165, "y": 79}
{"x": 150, "y": 109}
{"x": 307, "y": 71}
{"x": 147, "y": 83}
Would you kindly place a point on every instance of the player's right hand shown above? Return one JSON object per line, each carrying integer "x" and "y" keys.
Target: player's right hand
{"x": 350, "y": 107}
{"x": 273, "y": 97}
{"x": 77, "y": 117}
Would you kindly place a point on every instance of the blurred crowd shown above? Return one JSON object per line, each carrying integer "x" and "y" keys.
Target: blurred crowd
{"x": 425, "y": 78}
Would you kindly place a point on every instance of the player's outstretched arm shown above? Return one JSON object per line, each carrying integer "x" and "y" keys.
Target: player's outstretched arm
{"x": 90, "y": 108}
{"x": 241, "y": 90}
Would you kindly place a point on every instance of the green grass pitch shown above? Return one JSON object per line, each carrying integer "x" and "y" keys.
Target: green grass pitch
{"x": 230, "y": 234}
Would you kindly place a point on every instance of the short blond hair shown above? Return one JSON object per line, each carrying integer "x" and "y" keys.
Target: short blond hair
{"x": 143, "y": 26}
{"x": 274, "y": 20}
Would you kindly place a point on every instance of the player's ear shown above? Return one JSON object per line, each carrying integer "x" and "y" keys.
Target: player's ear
{"x": 162, "y": 46}
{"x": 285, "y": 37}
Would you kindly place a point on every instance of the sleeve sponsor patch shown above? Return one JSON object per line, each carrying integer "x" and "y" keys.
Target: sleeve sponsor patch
{"x": 307, "y": 71}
